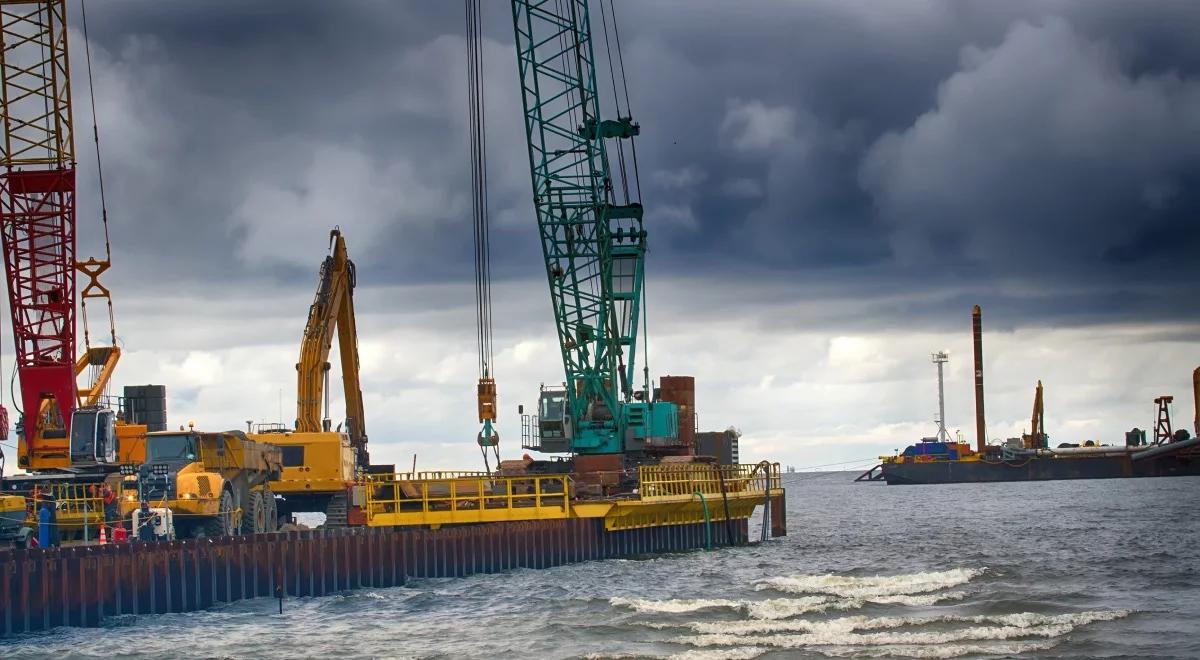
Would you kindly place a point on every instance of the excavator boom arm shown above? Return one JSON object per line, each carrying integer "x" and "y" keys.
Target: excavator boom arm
{"x": 348, "y": 347}
{"x": 332, "y": 310}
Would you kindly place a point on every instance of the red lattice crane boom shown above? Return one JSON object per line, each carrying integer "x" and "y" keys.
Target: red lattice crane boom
{"x": 37, "y": 228}
{"x": 37, "y": 209}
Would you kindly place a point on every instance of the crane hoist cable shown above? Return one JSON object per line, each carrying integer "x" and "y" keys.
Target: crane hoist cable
{"x": 101, "y": 360}
{"x": 616, "y": 72}
{"x": 487, "y": 438}
{"x": 94, "y": 267}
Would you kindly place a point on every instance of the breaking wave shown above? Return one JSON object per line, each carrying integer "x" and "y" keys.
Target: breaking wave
{"x": 743, "y": 653}
{"x": 777, "y": 608}
{"x": 844, "y": 632}
{"x": 774, "y": 608}
{"x": 878, "y": 588}
{"x": 858, "y": 623}
{"x": 784, "y": 608}
{"x": 916, "y": 600}
{"x": 675, "y": 605}
{"x": 781, "y": 623}
{"x": 940, "y": 651}
{"x": 740, "y": 653}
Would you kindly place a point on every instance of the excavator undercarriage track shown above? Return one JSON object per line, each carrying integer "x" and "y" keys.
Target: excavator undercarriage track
{"x": 335, "y": 511}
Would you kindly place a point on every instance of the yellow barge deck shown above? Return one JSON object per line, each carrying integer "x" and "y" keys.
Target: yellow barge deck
{"x": 668, "y": 494}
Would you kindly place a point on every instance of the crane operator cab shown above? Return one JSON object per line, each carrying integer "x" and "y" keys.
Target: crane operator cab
{"x": 93, "y": 436}
{"x": 554, "y": 422}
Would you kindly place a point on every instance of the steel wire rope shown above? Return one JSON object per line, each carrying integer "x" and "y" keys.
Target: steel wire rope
{"x": 625, "y": 85}
{"x": 479, "y": 203}
{"x": 620, "y": 60}
{"x": 478, "y": 149}
{"x": 608, "y": 53}
{"x": 87, "y": 48}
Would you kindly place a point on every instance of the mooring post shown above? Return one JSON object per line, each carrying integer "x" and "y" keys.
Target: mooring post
{"x": 279, "y": 578}
{"x": 707, "y": 520}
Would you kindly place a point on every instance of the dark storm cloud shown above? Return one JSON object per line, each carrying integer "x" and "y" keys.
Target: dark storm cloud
{"x": 1044, "y": 150}
{"x": 236, "y": 135}
{"x": 1036, "y": 155}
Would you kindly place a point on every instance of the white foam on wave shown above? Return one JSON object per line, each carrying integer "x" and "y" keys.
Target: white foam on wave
{"x": 917, "y": 600}
{"x": 940, "y": 651}
{"x": 858, "y": 623}
{"x": 674, "y": 605}
{"x": 742, "y": 653}
{"x": 844, "y": 624}
{"x": 774, "y": 608}
{"x": 841, "y": 632}
{"x": 739, "y": 653}
{"x": 838, "y": 638}
{"x": 783, "y": 608}
{"x": 871, "y": 587}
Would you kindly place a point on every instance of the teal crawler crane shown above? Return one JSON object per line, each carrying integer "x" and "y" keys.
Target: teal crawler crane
{"x": 591, "y": 223}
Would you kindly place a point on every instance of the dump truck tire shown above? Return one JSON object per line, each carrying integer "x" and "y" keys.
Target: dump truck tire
{"x": 255, "y": 519}
{"x": 272, "y": 511}
{"x": 222, "y": 523}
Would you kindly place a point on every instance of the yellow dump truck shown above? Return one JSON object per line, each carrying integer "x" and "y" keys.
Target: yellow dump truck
{"x": 205, "y": 484}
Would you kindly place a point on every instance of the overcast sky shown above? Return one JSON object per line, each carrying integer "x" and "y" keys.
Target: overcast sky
{"x": 829, "y": 184}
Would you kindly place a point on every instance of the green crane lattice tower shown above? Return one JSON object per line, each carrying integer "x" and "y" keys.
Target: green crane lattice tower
{"x": 594, "y": 248}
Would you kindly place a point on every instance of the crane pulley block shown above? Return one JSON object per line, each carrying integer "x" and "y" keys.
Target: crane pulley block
{"x": 624, "y": 127}
{"x": 487, "y": 399}
{"x": 629, "y": 211}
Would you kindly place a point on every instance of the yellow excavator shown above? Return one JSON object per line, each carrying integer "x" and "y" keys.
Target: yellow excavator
{"x": 321, "y": 463}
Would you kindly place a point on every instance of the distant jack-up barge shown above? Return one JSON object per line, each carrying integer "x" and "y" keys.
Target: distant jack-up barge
{"x": 1169, "y": 453}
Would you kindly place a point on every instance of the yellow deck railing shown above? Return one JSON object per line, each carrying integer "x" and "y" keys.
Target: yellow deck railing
{"x": 668, "y": 481}
{"x": 402, "y": 499}
{"x": 77, "y": 506}
{"x": 433, "y": 475}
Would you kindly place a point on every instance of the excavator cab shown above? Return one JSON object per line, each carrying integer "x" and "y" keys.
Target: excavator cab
{"x": 93, "y": 436}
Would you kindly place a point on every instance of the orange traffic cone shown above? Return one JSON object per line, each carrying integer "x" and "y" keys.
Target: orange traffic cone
{"x": 103, "y": 535}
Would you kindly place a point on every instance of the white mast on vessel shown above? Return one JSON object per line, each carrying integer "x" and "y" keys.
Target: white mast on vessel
{"x": 940, "y": 358}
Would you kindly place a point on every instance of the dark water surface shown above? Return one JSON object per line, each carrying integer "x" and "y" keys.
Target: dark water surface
{"x": 1068, "y": 569}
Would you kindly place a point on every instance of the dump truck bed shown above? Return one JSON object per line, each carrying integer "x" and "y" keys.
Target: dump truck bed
{"x": 233, "y": 450}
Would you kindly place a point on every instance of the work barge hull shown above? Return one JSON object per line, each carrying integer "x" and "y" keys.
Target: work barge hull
{"x": 1040, "y": 469}
{"x": 460, "y": 532}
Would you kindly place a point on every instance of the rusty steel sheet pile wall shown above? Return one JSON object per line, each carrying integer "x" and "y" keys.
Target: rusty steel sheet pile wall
{"x": 80, "y": 586}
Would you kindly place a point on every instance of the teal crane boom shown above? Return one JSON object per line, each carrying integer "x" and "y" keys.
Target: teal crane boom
{"x": 593, "y": 242}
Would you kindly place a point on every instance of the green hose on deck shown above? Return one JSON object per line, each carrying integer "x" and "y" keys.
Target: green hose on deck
{"x": 707, "y": 521}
